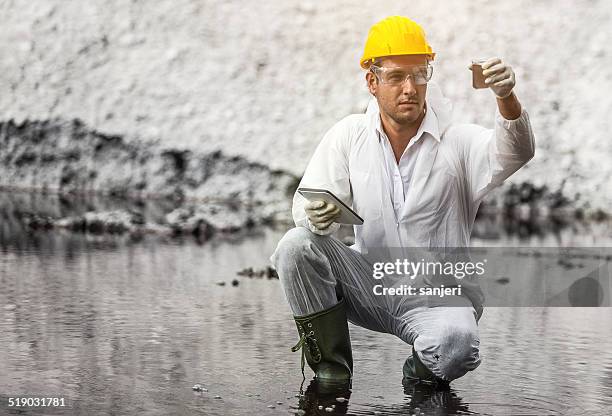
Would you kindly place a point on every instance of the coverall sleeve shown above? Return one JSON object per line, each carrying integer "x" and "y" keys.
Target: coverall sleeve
{"x": 495, "y": 154}
{"x": 327, "y": 169}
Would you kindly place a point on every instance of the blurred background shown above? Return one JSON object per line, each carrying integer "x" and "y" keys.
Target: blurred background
{"x": 149, "y": 152}
{"x": 204, "y": 84}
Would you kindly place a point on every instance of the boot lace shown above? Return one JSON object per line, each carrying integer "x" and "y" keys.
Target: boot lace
{"x": 307, "y": 340}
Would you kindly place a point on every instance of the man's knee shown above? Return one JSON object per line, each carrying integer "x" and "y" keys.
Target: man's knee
{"x": 296, "y": 249}
{"x": 452, "y": 352}
{"x": 293, "y": 244}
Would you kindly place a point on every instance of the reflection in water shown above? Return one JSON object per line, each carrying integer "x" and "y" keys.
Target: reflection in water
{"x": 325, "y": 399}
{"x": 431, "y": 401}
{"x": 124, "y": 327}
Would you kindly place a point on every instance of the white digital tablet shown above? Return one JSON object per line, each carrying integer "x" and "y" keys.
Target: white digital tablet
{"x": 347, "y": 215}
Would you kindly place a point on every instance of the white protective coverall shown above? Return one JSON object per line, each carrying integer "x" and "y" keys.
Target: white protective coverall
{"x": 452, "y": 174}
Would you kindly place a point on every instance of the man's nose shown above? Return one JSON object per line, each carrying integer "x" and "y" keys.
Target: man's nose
{"x": 409, "y": 86}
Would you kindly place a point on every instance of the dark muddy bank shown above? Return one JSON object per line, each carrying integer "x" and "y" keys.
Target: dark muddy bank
{"x": 110, "y": 218}
{"x": 69, "y": 158}
{"x": 201, "y": 194}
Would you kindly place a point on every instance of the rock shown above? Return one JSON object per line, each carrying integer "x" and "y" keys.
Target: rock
{"x": 267, "y": 272}
{"x": 341, "y": 399}
{"x": 37, "y": 222}
{"x": 246, "y": 272}
{"x": 111, "y": 222}
{"x": 235, "y": 282}
{"x": 271, "y": 273}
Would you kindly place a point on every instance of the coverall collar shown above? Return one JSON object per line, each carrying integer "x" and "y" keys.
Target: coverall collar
{"x": 429, "y": 124}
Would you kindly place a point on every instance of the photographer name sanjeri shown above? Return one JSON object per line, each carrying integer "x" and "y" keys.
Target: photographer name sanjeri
{"x": 407, "y": 290}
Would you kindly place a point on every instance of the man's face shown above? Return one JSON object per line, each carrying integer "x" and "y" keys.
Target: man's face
{"x": 403, "y": 102}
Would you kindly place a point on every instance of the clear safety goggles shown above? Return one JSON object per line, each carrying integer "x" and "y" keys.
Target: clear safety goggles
{"x": 420, "y": 74}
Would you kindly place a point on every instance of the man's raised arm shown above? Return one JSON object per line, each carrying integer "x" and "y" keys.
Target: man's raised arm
{"x": 495, "y": 155}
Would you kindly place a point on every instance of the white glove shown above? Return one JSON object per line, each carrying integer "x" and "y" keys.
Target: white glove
{"x": 321, "y": 214}
{"x": 499, "y": 76}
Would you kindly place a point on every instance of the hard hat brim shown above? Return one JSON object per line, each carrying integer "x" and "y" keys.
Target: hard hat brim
{"x": 366, "y": 62}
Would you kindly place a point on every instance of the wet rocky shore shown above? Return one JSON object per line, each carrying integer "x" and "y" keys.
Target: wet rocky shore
{"x": 206, "y": 193}
{"x": 198, "y": 194}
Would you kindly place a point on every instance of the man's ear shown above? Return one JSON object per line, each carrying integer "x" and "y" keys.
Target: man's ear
{"x": 371, "y": 82}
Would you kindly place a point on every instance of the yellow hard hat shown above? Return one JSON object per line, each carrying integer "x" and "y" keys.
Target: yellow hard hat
{"x": 395, "y": 35}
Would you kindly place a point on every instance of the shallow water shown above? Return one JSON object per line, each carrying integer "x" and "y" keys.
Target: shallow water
{"x": 128, "y": 327}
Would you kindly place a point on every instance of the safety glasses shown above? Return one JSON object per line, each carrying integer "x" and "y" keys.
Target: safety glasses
{"x": 420, "y": 74}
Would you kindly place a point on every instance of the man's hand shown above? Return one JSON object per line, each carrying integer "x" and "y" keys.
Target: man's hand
{"x": 321, "y": 214}
{"x": 499, "y": 77}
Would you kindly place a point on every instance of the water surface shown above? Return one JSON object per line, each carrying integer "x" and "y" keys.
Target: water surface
{"x": 128, "y": 327}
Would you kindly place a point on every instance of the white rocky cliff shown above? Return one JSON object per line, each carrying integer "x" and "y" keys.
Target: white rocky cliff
{"x": 257, "y": 84}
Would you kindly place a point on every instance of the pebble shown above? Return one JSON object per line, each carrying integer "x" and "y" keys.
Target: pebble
{"x": 329, "y": 409}
{"x": 10, "y": 307}
{"x": 221, "y": 283}
{"x": 279, "y": 402}
{"x": 199, "y": 387}
{"x": 377, "y": 412}
{"x": 217, "y": 396}
{"x": 271, "y": 406}
{"x": 340, "y": 399}
{"x": 235, "y": 282}
{"x": 320, "y": 407}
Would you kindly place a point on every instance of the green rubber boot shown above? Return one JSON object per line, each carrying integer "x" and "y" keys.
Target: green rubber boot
{"x": 326, "y": 345}
{"x": 416, "y": 372}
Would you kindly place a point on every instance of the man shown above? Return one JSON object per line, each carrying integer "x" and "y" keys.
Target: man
{"x": 417, "y": 180}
